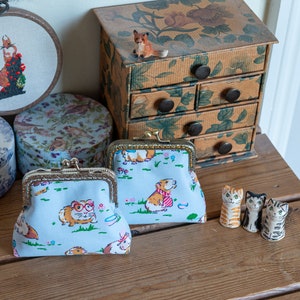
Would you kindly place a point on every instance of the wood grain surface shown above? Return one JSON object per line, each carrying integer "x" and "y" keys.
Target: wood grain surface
{"x": 195, "y": 261}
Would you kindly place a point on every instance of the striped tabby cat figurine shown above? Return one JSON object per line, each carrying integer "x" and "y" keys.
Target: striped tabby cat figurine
{"x": 253, "y": 213}
{"x": 274, "y": 223}
{"x": 231, "y": 207}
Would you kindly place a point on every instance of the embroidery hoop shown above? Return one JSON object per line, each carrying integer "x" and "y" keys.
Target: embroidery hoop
{"x": 41, "y": 53}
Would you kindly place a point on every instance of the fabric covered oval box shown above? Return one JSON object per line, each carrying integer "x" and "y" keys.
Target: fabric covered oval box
{"x": 60, "y": 127}
{"x": 7, "y": 157}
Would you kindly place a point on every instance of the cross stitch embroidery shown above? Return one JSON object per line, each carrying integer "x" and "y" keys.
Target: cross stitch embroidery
{"x": 12, "y": 79}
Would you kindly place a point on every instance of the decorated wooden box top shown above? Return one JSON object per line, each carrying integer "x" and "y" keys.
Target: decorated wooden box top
{"x": 183, "y": 27}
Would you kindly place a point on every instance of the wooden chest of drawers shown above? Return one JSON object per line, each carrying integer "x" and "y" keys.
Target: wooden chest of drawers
{"x": 209, "y": 87}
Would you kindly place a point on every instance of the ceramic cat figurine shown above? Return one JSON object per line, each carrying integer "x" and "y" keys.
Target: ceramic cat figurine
{"x": 274, "y": 223}
{"x": 143, "y": 47}
{"x": 231, "y": 207}
{"x": 253, "y": 214}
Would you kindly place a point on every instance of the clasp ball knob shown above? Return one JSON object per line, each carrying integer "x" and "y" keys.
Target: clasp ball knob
{"x": 194, "y": 128}
{"x": 231, "y": 95}
{"x": 201, "y": 72}
{"x": 165, "y": 105}
{"x": 224, "y": 147}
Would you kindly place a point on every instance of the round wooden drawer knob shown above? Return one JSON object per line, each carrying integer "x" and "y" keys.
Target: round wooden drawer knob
{"x": 194, "y": 128}
{"x": 202, "y": 71}
{"x": 224, "y": 148}
{"x": 165, "y": 105}
{"x": 231, "y": 95}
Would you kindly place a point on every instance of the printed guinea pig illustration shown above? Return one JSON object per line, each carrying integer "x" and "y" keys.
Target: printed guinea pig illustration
{"x": 79, "y": 212}
{"x": 22, "y": 227}
{"x": 77, "y": 250}
{"x": 160, "y": 199}
{"x": 121, "y": 246}
{"x": 135, "y": 156}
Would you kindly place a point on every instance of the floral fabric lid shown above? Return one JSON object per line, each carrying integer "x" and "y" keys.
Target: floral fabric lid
{"x": 7, "y": 157}
{"x": 62, "y": 126}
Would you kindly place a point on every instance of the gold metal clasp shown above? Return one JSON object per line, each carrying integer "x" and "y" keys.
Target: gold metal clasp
{"x": 151, "y": 134}
{"x": 72, "y": 163}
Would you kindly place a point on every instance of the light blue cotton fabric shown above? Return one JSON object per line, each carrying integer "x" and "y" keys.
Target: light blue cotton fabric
{"x": 70, "y": 218}
{"x": 158, "y": 186}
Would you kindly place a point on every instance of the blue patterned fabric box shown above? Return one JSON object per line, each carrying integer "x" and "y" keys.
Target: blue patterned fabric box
{"x": 62, "y": 126}
{"x": 7, "y": 157}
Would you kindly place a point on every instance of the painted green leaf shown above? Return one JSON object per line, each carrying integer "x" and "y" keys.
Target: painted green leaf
{"x": 241, "y": 138}
{"x": 157, "y": 4}
{"x": 189, "y": 2}
{"x": 180, "y": 108}
{"x": 216, "y": 30}
{"x": 213, "y": 128}
{"x": 224, "y": 28}
{"x": 242, "y": 116}
{"x": 225, "y": 125}
{"x": 210, "y": 30}
{"x": 251, "y": 29}
{"x": 166, "y": 125}
{"x": 189, "y": 79}
{"x": 137, "y": 15}
{"x": 172, "y": 63}
{"x": 163, "y": 39}
{"x": 187, "y": 98}
{"x": 218, "y": 68}
{"x": 201, "y": 60}
{"x": 261, "y": 50}
{"x": 164, "y": 74}
{"x": 137, "y": 76}
{"x": 225, "y": 113}
{"x": 186, "y": 39}
{"x": 246, "y": 38}
{"x": 175, "y": 92}
{"x": 230, "y": 38}
{"x": 205, "y": 96}
{"x": 107, "y": 49}
{"x": 259, "y": 60}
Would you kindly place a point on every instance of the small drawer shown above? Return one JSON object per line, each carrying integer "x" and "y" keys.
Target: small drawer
{"x": 197, "y": 67}
{"x": 229, "y": 91}
{"x": 197, "y": 124}
{"x": 158, "y": 102}
{"x": 210, "y": 146}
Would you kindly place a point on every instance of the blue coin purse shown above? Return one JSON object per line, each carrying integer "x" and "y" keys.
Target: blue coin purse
{"x": 156, "y": 180}
{"x": 70, "y": 211}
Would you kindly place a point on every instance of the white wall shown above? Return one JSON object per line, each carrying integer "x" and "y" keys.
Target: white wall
{"x": 281, "y": 106}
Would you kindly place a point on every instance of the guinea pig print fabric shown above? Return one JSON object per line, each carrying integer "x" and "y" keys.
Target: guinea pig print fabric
{"x": 158, "y": 186}
{"x": 70, "y": 218}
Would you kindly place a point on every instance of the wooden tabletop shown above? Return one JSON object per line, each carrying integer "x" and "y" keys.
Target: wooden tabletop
{"x": 195, "y": 261}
